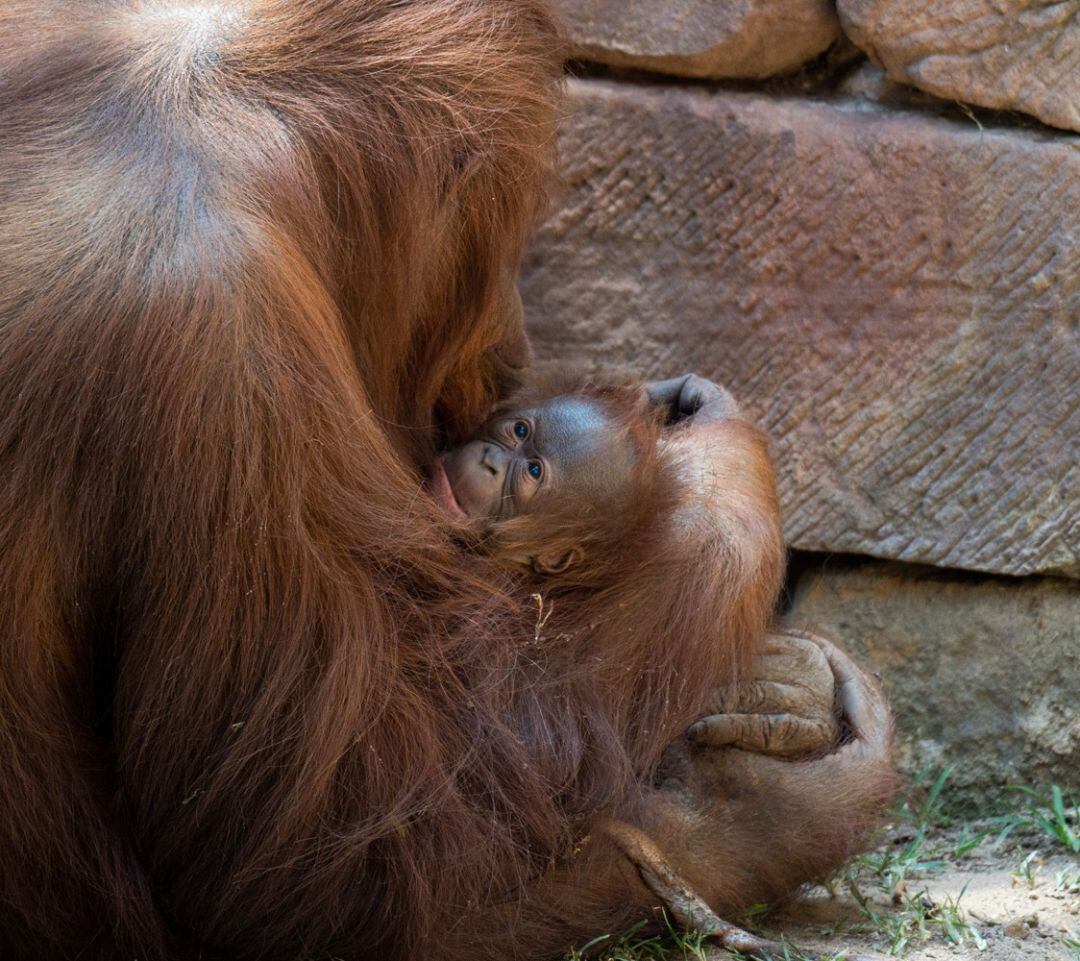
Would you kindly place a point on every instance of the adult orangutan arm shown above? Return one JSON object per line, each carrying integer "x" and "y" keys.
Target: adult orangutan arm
{"x": 738, "y": 827}
{"x": 746, "y": 827}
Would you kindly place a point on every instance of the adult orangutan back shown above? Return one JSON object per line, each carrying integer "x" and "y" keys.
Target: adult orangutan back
{"x": 254, "y": 700}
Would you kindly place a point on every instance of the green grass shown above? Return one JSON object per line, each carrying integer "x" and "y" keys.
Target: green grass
{"x": 633, "y": 945}
{"x": 1071, "y": 943}
{"x": 1068, "y": 880}
{"x": 1050, "y": 815}
{"x": 671, "y": 946}
{"x": 916, "y": 817}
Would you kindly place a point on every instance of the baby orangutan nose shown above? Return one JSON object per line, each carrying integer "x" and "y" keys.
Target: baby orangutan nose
{"x": 494, "y": 459}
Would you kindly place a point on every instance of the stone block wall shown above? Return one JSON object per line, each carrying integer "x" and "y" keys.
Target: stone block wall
{"x": 809, "y": 203}
{"x": 982, "y": 671}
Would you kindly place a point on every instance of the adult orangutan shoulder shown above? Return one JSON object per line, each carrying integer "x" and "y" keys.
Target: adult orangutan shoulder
{"x": 255, "y": 700}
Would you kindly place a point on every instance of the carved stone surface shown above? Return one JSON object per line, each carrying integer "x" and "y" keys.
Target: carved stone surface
{"x": 1006, "y": 54}
{"x": 895, "y": 297}
{"x": 983, "y": 672}
{"x": 700, "y": 38}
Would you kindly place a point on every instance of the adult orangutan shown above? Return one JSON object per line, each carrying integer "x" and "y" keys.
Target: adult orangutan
{"x": 256, "y": 700}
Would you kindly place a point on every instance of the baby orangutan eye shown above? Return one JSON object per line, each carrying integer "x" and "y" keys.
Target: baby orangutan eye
{"x": 535, "y": 469}
{"x": 521, "y": 429}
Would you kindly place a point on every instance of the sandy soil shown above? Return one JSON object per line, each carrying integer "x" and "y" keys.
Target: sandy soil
{"x": 1014, "y": 916}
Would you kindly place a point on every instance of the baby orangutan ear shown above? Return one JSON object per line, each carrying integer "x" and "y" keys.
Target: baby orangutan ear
{"x": 557, "y": 563}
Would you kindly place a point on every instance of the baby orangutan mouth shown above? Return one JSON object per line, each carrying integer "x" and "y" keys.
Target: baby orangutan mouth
{"x": 443, "y": 491}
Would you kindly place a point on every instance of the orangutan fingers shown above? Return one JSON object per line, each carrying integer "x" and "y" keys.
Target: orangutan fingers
{"x": 691, "y": 395}
{"x": 777, "y": 697}
{"x": 867, "y": 712}
{"x": 777, "y": 735}
{"x": 785, "y": 681}
{"x": 700, "y": 395}
{"x": 792, "y": 657}
{"x": 795, "y": 659}
{"x": 861, "y": 698}
{"x": 792, "y": 644}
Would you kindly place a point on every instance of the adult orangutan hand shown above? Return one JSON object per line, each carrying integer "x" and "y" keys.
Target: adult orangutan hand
{"x": 788, "y": 708}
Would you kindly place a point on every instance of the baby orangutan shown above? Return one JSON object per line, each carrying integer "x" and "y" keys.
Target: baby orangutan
{"x": 577, "y": 488}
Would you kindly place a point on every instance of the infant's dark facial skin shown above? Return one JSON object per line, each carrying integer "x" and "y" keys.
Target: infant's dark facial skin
{"x": 527, "y": 459}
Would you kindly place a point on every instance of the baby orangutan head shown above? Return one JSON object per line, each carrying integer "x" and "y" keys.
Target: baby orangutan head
{"x": 550, "y": 483}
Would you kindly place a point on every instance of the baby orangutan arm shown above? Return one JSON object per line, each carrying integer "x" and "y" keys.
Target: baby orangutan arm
{"x": 786, "y": 709}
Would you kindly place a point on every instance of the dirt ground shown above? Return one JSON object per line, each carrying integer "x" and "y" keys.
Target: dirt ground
{"x": 1002, "y": 901}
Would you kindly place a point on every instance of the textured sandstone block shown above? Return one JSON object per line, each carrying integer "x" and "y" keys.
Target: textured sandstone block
{"x": 1006, "y": 54}
{"x": 700, "y": 38}
{"x": 894, "y": 297}
{"x": 981, "y": 671}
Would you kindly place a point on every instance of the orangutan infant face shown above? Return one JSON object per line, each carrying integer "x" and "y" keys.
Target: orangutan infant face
{"x": 536, "y": 458}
